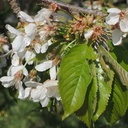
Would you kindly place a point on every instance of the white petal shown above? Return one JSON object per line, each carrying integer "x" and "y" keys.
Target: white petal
{"x": 7, "y": 81}
{"x": 44, "y": 102}
{"x": 124, "y": 25}
{"x": 88, "y": 34}
{"x": 25, "y": 71}
{"x": 21, "y": 54}
{"x": 27, "y": 92}
{"x": 43, "y": 35}
{"x": 9, "y": 71}
{"x": 7, "y": 85}
{"x": 114, "y": 10}
{"x": 27, "y": 40}
{"x": 25, "y": 17}
{"x": 53, "y": 92}
{"x": 50, "y": 83}
{"x": 44, "y": 48}
{"x": 37, "y": 47}
{"x": 18, "y": 45}
{"x": 29, "y": 56}
{"x": 21, "y": 90}
{"x": 116, "y": 37}
{"x": 44, "y": 66}
{"x": 38, "y": 93}
{"x": 32, "y": 84}
{"x": 49, "y": 42}
{"x": 31, "y": 30}
{"x": 52, "y": 88}
{"x": 13, "y": 30}
{"x": 15, "y": 69}
{"x": 15, "y": 60}
{"x": 53, "y": 73}
{"x": 43, "y": 14}
{"x": 112, "y": 18}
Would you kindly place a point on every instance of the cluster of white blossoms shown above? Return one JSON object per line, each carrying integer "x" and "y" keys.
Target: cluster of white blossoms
{"x": 33, "y": 37}
{"x": 119, "y": 21}
{"x": 28, "y": 41}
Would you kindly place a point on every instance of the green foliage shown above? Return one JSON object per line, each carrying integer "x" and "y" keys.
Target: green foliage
{"x": 72, "y": 81}
{"x": 122, "y": 73}
{"x": 104, "y": 91}
{"x": 119, "y": 102}
{"x": 85, "y": 113}
{"x": 89, "y": 87}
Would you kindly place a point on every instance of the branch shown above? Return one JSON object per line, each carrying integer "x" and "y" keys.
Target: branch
{"x": 71, "y": 8}
{"x": 14, "y": 6}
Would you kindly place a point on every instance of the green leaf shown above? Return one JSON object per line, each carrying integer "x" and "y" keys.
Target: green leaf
{"x": 104, "y": 81}
{"x": 120, "y": 54}
{"x": 74, "y": 78}
{"x": 85, "y": 50}
{"x": 85, "y": 113}
{"x": 119, "y": 101}
{"x": 122, "y": 73}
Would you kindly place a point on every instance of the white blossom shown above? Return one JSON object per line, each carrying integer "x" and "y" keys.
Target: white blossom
{"x": 13, "y": 78}
{"x": 45, "y": 46}
{"x": 45, "y": 66}
{"x": 22, "y": 39}
{"x": 39, "y": 92}
{"x": 52, "y": 88}
{"x": 120, "y": 18}
{"x": 29, "y": 56}
{"x": 117, "y": 16}
{"x": 117, "y": 36}
{"x": 88, "y": 34}
{"x": 43, "y": 34}
{"x": 37, "y": 47}
{"x": 14, "y": 69}
{"x": 42, "y": 15}
{"x": 15, "y": 60}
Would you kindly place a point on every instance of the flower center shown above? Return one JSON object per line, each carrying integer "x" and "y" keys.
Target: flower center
{"x": 97, "y": 32}
{"x": 78, "y": 25}
{"x": 122, "y": 14}
{"x": 18, "y": 75}
{"x": 32, "y": 74}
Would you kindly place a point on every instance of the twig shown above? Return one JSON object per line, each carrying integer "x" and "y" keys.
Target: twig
{"x": 71, "y": 8}
{"x": 14, "y": 6}
{"x": 4, "y": 55}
